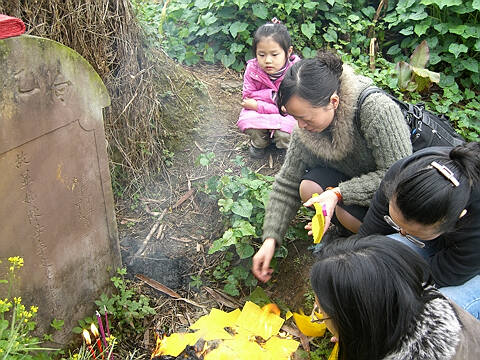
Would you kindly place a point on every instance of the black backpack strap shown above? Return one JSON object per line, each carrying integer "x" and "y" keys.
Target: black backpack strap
{"x": 363, "y": 95}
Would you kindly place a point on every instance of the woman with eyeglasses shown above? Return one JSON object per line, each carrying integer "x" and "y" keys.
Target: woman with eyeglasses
{"x": 431, "y": 202}
{"x": 330, "y": 152}
{"x": 377, "y": 302}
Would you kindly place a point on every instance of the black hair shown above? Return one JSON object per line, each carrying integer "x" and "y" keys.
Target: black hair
{"x": 424, "y": 195}
{"x": 314, "y": 80}
{"x": 372, "y": 288}
{"x": 278, "y": 32}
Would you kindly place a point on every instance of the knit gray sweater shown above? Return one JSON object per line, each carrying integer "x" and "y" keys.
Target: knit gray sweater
{"x": 363, "y": 151}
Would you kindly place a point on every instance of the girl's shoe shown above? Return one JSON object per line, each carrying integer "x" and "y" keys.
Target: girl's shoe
{"x": 256, "y": 153}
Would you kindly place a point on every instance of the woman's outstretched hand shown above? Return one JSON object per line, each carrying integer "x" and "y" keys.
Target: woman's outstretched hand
{"x": 327, "y": 198}
{"x": 261, "y": 261}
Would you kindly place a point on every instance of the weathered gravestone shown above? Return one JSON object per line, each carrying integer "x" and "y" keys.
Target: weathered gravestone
{"x": 56, "y": 207}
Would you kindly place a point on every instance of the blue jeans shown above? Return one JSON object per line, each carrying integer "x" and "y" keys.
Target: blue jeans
{"x": 466, "y": 295}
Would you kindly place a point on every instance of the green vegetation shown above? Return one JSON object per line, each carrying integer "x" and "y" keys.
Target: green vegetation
{"x": 241, "y": 199}
{"x": 17, "y": 323}
{"x": 221, "y": 31}
{"x": 126, "y": 308}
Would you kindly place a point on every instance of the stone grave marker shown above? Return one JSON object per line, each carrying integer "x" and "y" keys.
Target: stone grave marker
{"x": 57, "y": 209}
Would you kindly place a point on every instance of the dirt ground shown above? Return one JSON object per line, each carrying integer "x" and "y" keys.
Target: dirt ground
{"x": 175, "y": 248}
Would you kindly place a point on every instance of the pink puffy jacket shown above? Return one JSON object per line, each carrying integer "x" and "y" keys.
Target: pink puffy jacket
{"x": 257, "y": 85}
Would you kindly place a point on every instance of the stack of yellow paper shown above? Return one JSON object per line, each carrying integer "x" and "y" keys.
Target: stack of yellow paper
{"x": 249, "y": 334}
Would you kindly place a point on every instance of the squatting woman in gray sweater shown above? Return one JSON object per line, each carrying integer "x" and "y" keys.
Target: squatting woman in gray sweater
{"x": 330, "y": 153}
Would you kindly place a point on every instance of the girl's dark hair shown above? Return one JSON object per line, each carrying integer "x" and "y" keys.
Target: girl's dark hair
{"x": 278, "y": 32}
{"x": 424, "y": 195}
{"x": 372, "y": 288}
{"x": 314, "y": 80}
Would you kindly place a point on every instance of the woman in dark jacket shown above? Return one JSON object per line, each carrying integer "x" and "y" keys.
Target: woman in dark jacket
{"x": 375, "y": 300}
{"x": 431, "y": 201}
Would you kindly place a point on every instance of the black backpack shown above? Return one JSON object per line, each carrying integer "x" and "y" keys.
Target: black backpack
{"x": 426, "y": 128}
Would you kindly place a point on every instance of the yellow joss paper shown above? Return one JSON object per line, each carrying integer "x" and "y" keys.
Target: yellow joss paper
{"x": 318, "y": 222}
{"x": 280, "y": 349}
{"x": 259, "y": 322}
{"x": 334, "y": 353}
{"x": 288, "y": 315}
{"x": 306, "y": 326}
{"x": 174, "y": 344}
{"x": 212, "y": 326}
{"x": 239, "y": 348}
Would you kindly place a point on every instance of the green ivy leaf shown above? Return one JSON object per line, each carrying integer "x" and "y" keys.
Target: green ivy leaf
{"x": 418, "y": 16}
{"x": 240, "y": 272}
{"x": 209, "y": 55}
{"x": 202, "y": 4}
{"x": 469, "y": 94}
{"x": 470, "y": 64}
{"x": 331, "y": 2}
{"x": 308, "y": 29}
{"x": 394, "y": 50}
{"x": 237, "y": 27}
{"x": 245, "y": 228}
{"x": 330, "y": 36}
{"x": 457, "y": 49}
{"x": 243, "y": 208}
{"x": 231, "y": 289}
{"x": 260, "y": 11}
{"x": 472, "y": 31}
{"x": 477, "y": 45}
{"x": 421, "y": 29}
{"x": 442, "y": 3}
{"x": 457, "y": 29}
{"x": 308, "y": 53}
{"x": 353, "y": 18}
{"x": 476, "y": 4}
{"x": 442, "y": 28}
{"x": 208, "y": 19}
{"x": 228, "y": 60}
{"x": 225, "y": 204}
{"x": 322, "y": 6}
{"x": 236, "y": 48}
{"x": 310, "y": 5}
{"x": 281, "y": 252}
{"x": 290, "y": 6}
{"x": 244, "y": 250}
{"x": 407, "y": 31}
{"x": 259, "y": 297}
{"x": 240, "y": 3}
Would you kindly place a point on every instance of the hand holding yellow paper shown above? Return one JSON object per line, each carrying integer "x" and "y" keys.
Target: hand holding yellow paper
{"x": 318, "y": 222}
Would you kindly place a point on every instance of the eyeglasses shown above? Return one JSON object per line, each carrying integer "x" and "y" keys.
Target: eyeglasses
{"x": 397, "y": 228}
{"x": 315, "y": 317}
{"x": 316, "y": 320}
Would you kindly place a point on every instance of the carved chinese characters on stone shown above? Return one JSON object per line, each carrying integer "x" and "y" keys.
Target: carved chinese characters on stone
{"x": 57, "y": 204}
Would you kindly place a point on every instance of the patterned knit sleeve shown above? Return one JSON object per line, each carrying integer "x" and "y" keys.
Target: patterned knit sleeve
{"x": 387, "y": 136}
{"x": 284, "y": 198}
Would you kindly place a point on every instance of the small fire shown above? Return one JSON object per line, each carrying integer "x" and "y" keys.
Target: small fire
{"x": 94, "y": 330}
{"x": 272, "y": 308}
{"x": 86, "y": 336}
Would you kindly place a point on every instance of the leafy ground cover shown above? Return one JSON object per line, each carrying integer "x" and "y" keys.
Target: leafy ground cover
{"x": 373, "y": 35}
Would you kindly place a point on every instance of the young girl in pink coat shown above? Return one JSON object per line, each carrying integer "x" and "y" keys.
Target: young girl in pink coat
{"x": 260, "y": 118}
